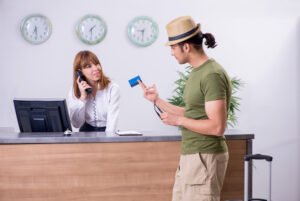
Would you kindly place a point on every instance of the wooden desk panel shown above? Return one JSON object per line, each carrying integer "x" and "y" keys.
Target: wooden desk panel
{"x": 131, "y": 171}
{"x": 233, "y": 187}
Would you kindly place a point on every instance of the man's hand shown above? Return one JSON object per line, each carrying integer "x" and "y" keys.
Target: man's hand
{"x": 171, "y": 119}
{"x": 150, "y": 93}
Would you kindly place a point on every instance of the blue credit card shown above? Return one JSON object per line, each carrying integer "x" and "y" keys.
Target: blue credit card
{"x": 134, "y": 81}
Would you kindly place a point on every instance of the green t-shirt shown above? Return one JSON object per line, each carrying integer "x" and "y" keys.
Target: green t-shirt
{"x": 206, "y": 83}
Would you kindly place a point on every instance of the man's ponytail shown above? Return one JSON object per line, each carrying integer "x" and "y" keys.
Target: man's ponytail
{"x": 209, "y": 40}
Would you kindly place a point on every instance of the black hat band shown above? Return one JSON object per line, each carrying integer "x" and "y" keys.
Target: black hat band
{"x": 184, "y": 34}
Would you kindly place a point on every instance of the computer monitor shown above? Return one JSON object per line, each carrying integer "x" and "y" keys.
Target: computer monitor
{"x": 42, "y": 115}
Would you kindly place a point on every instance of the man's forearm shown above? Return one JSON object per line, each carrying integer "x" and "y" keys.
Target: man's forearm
{"x": 168, "y": 107}
{"x": 205, "y": 126}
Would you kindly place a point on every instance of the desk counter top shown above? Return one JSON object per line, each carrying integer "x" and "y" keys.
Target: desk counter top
{"x": 101, "y": 137}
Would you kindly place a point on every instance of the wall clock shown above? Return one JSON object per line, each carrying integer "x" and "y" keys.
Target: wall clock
{"x": 91, "y": 29}
{"x": 36, "y": 28}
{"x": 142, "y": 31}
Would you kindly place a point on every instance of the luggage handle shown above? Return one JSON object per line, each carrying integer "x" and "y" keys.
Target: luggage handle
{"x": 258, "y": 157}
{"x": 247, "y": 159}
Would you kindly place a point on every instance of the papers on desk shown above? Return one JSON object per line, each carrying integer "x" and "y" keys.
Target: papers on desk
{"x": 128, "y": 133}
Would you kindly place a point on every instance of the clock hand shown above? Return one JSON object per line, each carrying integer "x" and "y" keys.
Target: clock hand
{"x": 143, "y": 32}
{"x": 35, "y": 30}
{"x": 91, "y": 30}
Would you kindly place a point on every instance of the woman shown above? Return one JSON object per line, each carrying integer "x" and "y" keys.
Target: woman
{"x": 97, "y": 109}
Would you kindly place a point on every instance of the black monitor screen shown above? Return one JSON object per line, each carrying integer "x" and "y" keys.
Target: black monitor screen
{"x": 42, "y": 115}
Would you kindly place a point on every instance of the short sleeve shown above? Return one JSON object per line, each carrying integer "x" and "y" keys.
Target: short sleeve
{"x": 214, "y": 87}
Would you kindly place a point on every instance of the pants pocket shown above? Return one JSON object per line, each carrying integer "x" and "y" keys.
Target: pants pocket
{"x": 193, "y": 169}
{"x": 203, "y": 174}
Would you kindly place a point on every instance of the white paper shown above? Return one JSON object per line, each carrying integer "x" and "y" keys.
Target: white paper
{"x": 128, "y": 133}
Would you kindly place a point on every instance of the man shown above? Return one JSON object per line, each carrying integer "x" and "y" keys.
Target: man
{"x": 204, "y": 154}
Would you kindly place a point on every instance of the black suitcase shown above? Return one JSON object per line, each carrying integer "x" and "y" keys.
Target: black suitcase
{"x": 249, "y": 158}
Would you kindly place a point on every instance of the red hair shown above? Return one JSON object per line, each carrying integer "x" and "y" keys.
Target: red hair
{"x": 82, "y": 59}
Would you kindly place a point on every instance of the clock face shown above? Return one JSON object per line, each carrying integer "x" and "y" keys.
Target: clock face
{"x": 142, "y": 31}
{"x": 36, "y": 29}
{"x": 91, "y": 29}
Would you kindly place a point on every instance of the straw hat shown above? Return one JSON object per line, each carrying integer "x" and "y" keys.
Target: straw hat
{"x": 181, "y": 29}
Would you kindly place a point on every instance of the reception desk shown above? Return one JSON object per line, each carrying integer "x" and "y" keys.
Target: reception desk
{"x": 93, "y": 166}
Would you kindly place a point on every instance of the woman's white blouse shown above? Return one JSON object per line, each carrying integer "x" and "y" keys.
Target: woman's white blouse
{"x": 99, "y": 111}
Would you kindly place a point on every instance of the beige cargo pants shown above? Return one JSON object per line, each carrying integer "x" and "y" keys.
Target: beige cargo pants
{"x": 200, "y": 177}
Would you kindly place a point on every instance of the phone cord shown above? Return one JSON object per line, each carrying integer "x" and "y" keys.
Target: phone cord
{"x": 94, "y": 111}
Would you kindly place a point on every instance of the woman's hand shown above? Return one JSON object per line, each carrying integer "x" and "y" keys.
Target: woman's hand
{"x": 150, "y": 93}
{"x": 82, "y": 86}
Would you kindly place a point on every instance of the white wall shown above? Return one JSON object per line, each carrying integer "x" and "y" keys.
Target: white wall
{"x": 258, "y": 42}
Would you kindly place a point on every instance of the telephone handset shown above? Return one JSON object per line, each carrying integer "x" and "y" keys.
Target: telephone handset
{"x": 82, "y": 78}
